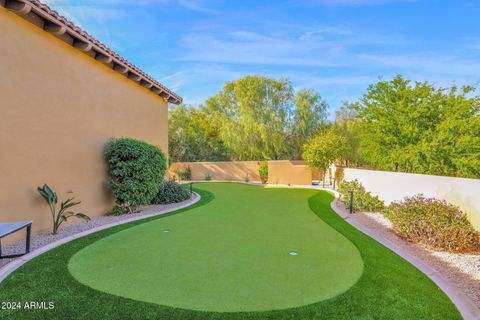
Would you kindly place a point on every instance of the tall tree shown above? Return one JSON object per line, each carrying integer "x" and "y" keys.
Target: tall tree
{"x": 416, "y": 127}
{"x": 251, "y": 115}
{"x": 347, "y": 126}
{"x": 192, "y": 137}
{"x": 323, "y": 149}
{"x": 310, "y": 115}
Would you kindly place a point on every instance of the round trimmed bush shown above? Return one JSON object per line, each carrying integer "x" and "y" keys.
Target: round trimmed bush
{"x": 434, "y": 223}
{"x": 362, "y": 199}
{"x": 136, "y": 170}
{"x": 171, "y": 192}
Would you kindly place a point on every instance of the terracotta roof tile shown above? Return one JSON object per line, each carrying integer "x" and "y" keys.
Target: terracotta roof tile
{"x": 47, "y": 13}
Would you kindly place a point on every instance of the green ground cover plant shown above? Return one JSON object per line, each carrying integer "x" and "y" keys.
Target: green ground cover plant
{"x": 433, "y": 223}
{"x": 388, "y": 287}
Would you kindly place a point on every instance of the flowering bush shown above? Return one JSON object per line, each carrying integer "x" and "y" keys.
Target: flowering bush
{"x": 362, "y": 199}
{"x": 433, "y": 223}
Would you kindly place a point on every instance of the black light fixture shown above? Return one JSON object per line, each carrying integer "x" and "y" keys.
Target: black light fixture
{"x": 351, "y": 201}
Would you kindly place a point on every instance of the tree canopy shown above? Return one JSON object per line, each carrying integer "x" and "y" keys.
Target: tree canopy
{"x": 324, "y": 148}
{"x": 416, "y": 127}
{"x": 252, "y": 118}
{"x": 397, "y": 125}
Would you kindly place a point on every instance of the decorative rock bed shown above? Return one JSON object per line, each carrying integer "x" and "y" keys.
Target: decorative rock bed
{"x": 458, "y": 275}
{"x": 462, "y": 270}
{"x": 41, "y": 240}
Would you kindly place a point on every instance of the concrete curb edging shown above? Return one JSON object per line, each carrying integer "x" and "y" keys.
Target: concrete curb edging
{"x": 10, "y": 267}
{"x": 465, "y": 306}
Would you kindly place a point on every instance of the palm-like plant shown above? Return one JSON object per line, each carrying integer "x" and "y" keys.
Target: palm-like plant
{"x": 63, "y": 214}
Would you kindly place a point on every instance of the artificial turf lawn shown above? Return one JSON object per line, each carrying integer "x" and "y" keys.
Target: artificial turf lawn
{"x": 229, "y": 255}
{"x": 389, "y": 287}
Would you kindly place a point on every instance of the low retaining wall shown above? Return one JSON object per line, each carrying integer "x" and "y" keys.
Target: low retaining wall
{"x": 394, "y": 186}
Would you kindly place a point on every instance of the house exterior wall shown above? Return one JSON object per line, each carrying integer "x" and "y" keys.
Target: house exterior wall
{"x": 58, "y": 108}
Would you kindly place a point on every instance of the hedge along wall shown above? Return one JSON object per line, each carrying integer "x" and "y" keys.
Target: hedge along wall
{"x": 393, "y": 186}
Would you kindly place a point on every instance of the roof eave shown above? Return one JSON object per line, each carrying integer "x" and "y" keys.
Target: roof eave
{"x": 49, "y": 20}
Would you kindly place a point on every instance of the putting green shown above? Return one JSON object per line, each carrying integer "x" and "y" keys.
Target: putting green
{"x": 232, "y": 254}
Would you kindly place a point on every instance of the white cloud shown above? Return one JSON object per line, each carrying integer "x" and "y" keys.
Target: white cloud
{"x": 356, "y": 2}
{"x": 326, "y": 30}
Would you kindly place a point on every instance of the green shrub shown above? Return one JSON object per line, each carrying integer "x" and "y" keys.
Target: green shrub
{"x": 184, "y": 174}
{"x": 434, "y": 223}
{"x": 247, "y": 178}
{"x": 362, "y": 200}
{"x": 263, "y": 171}
{"x": 136, "y": 170}
{"x": 171, "y": 192}
{"x": 208, "y": 177}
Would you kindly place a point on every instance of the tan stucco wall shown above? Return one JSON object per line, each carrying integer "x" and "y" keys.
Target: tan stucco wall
{"x": 289, "y": 172}
{"x": 58, "y": 108}
{"x": 279, "y": 171}
{"x": 226, "y": 171}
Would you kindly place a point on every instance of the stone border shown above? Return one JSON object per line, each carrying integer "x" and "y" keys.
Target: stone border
{"x": 465, "y": 306}
{"x": 10, "y": 267}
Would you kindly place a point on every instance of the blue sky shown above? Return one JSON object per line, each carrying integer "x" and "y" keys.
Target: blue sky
{"x": 336, "y": 47}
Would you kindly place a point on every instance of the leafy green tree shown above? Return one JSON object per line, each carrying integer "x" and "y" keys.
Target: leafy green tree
{"x": 252, "y": 118}
{"x": 416, "y": 127}
{"x": 310, "y": 115}
{"x": 323, "y": 149}
{"x": 179, "y": 133}
{"x": 346, "y": 124}
{"x": 192, "y": 136}
{"x": 251, "y": 115}
{"x": 454, "y": 149}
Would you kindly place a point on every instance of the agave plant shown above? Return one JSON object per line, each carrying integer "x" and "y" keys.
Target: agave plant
{"x": 63, "y": 213}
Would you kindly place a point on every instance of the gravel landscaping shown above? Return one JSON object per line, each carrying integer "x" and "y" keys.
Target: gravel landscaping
{"x": 43, "y": 239}
{"x": 461, "y": 270}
